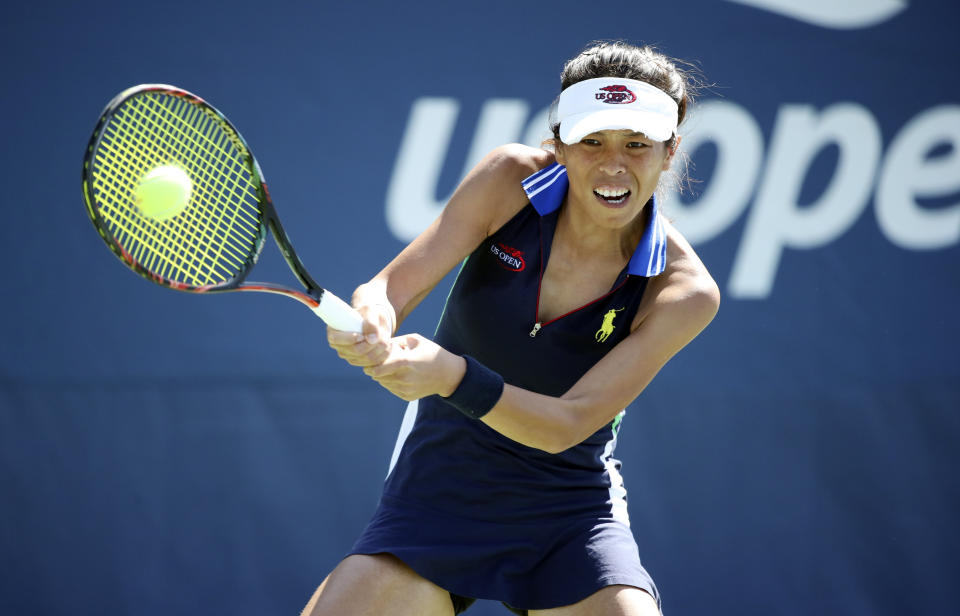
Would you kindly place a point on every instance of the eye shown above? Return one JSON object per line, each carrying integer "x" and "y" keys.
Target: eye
{"x": 589, "y": 141}
{"x": 638, "y": 144}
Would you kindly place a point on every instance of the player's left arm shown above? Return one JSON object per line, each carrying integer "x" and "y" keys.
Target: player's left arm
{"x": 680, "y": 312}
{"x": 679, "y": 304}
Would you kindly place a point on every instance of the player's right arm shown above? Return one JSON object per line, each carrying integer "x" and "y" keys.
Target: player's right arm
{"x": 489, "y": 196}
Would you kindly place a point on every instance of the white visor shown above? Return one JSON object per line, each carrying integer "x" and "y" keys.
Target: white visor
{"x": 611, "y": 103}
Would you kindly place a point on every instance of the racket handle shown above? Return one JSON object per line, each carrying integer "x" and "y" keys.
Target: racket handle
{"x": 338, "y": 314}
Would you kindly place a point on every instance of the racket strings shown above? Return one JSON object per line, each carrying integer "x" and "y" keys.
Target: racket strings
{"x": 215, "y": 237}
{"x": 194, "y": 117}
{"x": 147, "y": 253}
{"x": 170, "y": 263}
{"x": 211, "y": 238}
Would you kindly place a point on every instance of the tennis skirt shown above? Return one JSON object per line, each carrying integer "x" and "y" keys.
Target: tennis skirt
{"x": 532, "y": 565}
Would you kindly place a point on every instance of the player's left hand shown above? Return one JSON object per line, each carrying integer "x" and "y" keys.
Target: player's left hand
{"x": 416, "y": 367}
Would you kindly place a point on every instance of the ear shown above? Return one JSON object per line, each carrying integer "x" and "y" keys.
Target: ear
{"x": 559, "y": 153}
{"x": 670, "y": 154}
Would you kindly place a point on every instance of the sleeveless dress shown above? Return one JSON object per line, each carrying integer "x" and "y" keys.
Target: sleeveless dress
{"x": 483, "y": 516}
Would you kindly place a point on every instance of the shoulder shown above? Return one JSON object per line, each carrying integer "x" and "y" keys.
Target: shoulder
{"x": 497, "y": 180}
{"x": 506, "y": 167}
{"x": 517, "y": 161}
{"x": 684, "y": 292}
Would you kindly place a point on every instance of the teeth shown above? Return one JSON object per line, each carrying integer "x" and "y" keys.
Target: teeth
{"x": 611, "y": 193}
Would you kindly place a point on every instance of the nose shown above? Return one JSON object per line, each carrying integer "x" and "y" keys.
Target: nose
{"x": 613, "y": 163}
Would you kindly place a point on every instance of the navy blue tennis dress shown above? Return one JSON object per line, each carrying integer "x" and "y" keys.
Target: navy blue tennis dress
{"x": 483, "y": 516}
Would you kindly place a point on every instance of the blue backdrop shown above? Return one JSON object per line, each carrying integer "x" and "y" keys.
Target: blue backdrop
{"x": 162, "y": 453}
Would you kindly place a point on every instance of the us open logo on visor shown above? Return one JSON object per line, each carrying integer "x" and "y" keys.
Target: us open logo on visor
{"x": 616, "y": 95}
{"x": 509, "y": 258}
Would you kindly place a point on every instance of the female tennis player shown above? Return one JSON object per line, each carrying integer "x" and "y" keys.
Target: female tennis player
{"x": 574, "y": 293}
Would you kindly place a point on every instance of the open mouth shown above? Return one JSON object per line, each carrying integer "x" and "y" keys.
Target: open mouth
{"x": 613, "y": 196}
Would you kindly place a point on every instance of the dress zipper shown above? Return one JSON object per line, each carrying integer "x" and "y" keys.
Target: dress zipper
{"x": 538, "y": 325}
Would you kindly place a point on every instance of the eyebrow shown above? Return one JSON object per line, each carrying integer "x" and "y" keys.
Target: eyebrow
{"x": 630, "y": 135}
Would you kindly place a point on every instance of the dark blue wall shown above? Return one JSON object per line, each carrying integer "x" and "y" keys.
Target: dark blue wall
{"x": 168, "y": 454}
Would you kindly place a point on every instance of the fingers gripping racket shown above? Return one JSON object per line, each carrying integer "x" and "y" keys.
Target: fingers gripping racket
{"x": 177, "y": 195}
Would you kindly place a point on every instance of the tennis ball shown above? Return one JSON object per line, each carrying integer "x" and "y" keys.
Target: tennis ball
{"x": 163, "y": 192}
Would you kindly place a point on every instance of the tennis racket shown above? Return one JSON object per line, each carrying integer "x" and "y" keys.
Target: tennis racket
{"x": 216, "y": 237}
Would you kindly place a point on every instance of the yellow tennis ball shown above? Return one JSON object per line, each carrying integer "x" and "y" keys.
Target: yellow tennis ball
{"x": 164, "y": 192}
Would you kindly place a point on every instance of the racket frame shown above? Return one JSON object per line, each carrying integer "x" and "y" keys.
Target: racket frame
{"x": 313, "y": 294}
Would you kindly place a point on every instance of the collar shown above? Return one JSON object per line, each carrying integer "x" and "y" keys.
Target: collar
{"x": 546, "y": 190}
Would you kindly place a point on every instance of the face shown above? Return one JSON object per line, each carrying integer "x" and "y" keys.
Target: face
{"x": 612, "y": 174}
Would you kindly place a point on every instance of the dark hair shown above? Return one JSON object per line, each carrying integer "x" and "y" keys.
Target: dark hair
{"x": 679, "y": 79}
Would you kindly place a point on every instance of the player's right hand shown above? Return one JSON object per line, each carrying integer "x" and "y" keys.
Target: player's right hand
{"x": 371, "y": 347}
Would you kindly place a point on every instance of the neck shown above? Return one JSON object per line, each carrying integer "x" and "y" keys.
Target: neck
{"x": 581, "y": 235}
